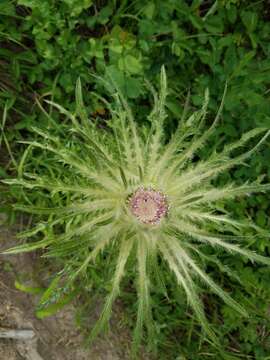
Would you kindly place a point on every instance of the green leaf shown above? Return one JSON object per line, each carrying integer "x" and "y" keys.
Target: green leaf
{"x": 149, "y": 10}
{"x": 28, "y": 289}
{"x": 50, "y": 291}
{"x": 130, "y": 64}
{"x": 232, "y": 14}
{"x": 250, "y": 20}
{"x": 134, "y": 88}
{"x": 245, "y": 60}
{"x": 53, "y": 308}
{"x": 214, "y": 24}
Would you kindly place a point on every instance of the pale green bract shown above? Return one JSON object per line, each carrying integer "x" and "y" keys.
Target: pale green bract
{"x": 103, "y": 167}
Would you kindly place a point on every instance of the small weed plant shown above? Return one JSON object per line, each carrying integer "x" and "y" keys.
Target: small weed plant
{"x": 136, "y": 201}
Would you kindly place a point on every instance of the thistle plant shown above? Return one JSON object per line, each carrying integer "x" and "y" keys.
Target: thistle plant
{"x": 128, "y": 191}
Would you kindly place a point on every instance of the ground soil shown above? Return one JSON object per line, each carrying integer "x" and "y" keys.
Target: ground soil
{"x": 56, "y": 337}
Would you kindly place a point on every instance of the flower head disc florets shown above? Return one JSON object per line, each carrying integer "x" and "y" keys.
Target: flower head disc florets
{"x": 148, "y": 206}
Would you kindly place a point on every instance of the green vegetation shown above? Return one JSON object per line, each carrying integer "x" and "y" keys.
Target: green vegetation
{"x": 46, "y": 45}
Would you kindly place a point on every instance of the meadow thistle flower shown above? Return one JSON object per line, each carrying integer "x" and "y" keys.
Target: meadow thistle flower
{"x": 148, "y": 205}
{"x": 125, "y": 189}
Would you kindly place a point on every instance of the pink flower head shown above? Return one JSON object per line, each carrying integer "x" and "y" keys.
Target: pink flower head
{"x": 148, "y": 205}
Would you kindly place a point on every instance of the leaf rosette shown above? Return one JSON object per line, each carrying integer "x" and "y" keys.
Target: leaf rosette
{"x": 126, "y": 189}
